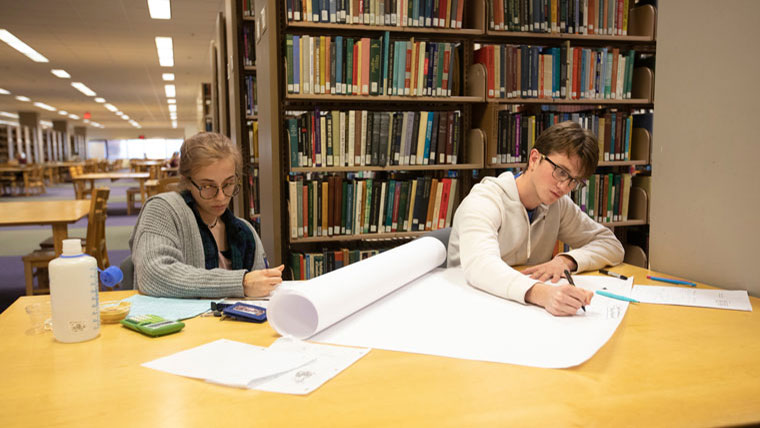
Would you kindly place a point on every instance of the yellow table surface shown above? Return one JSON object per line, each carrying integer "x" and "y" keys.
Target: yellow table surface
{"x": 664, "y": 366}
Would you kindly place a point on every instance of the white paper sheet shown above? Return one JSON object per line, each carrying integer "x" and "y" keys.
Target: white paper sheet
{"x": 230, "y": 363}
{"x": 288, "y": 366}
{"x": 718, "y": 299}
{"x": 439, "y": 314}
{"x": 301, "y": 312}
{"x": 330, "y": 361}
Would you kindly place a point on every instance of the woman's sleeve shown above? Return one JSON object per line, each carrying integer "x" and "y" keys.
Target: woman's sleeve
{"x": 161, "y": 260}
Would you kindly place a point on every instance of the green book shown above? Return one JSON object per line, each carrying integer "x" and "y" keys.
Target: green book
{"x": 367, "y": 205}
{"x": 374, "y": 67}
{"x": 293, "y": 136}
{"x": 289, "y": 55}
{"x": 310, "y": 209}
{"x": 295, "y": 265}
{"x": 349, "y": 88}
{"x": 386, "y": 63}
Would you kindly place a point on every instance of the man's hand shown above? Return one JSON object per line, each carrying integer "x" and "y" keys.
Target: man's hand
{"x": 563, "y": 300}
{"x": 552, "y": 270}
{"x": 260, "y": 283}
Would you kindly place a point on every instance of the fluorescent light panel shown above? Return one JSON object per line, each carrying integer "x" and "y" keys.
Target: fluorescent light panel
{"x": 20, "y": 46}
{"x": 81, "y": 87}
{"x": 100, "y": 100}
{"x": 160, "y": 9}
{"x": 45, "y": 106}
{"x": 172, "y": 107}
{"x": 169, "y": 77}
{"x": 171, "y": 101}
{"x": 110, "y": 107}
{"x": 4, "y": 91}
{"x": 23, "y": 98}
{"x": 171, "y": 91}
{"x": 165, "y": 49}
{"x": 11, "y": 115}
{"x": 73, "y": 116}
{"x": 63, "y": 112}
{"x": 60, "y": 73}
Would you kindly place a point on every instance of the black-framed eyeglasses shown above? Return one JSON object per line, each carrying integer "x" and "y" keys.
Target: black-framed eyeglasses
{"x": 209, "y": 191}
{"x": 560, "y": 174}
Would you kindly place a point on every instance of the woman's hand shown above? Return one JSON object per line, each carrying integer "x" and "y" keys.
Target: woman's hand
{"x": 552, "y": 270}
{"x": 260, "y": 283}
{"x": 560, "y": 300}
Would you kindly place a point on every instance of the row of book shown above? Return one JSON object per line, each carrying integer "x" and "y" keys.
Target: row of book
{"x": 524, "y": 71}
{"x": 251, "y": 97}
{"x": 517, "y": 133}
{"x": 605, "y": 198}
{"x": 603, "y": 17}
{"x": 340, "y": 138}
{"x": 249, "y": 46}
{"x": 248, "y": 8}
{"x": 335, "y": 205}
{"x": 341, "y": 65}
{"x": 254, "y": 204}
{"x": 253, "y": 139}
{"x": 400, "y": 13}
{"x": 310, "y": 264}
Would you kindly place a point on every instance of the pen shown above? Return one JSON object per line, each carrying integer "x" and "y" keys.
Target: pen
{"x": 613, "y": 274}
{"x": 615, "y": 296}
{"x": 672, "y": 281}
{"x": 266, "y": 263}
{"x": 570, "y": 280}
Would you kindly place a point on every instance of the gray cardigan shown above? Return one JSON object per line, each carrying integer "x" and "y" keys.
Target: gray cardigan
{"x": 167, "y": 254}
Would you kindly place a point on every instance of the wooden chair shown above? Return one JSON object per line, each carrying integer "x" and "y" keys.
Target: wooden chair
{"x": 134, "y": 192}
{"x": 9, "y": 183}
{"x": 35, "y": 179}
{"x": 35, "y": 263}
{"x": 166, "y": 184}
{"x": 635, "y": 255}
{"x": 81, "y": 189}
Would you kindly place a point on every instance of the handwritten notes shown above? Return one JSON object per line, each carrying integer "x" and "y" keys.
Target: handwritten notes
{"x": 718, "y": 299}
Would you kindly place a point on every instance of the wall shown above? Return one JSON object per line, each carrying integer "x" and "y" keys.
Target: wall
{"x": 706, "y": 157}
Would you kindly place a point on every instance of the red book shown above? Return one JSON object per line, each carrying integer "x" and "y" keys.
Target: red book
{"x": 442, "y": 13}
{"x": 408, "y": 71}
{"x": 460, "y": 13}
{"x": 444, "y": 202}
{"x": 365, "y": 66}
{"x": 396, "y": 195}
{"x": 576, "y": 71}
{"x": 300, "y": 262}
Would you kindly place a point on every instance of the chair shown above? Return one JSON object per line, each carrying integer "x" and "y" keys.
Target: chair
{"x": 34, "y": 179}
{"x": 166, "y": 184}
{"x": 635, "y": 255}
{"x": 81, "y": 189}
{"x": 8, "y": 183}
{"x": 133, "y": 192}
{"x": 35, "y": 263}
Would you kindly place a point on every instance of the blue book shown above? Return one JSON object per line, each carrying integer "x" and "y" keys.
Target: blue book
{"x": 555, "y": 72}
{"x": 296, "y": 64}
{"x": 534, "y": 75}
{"x": 627, "y": 138}
{"x": 428, "y": 135}
{"x": 315, "y": 6}
{"x": 333, "y": 12}
{"x": 582, "y": 68}
{"x": 350, "y": 207}
{"x": 339, "y": 64}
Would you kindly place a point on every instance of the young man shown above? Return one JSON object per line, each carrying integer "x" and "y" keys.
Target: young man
{"x": 508, "y": 220}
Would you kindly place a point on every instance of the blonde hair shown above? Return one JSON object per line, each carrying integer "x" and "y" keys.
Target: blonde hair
{"x": 202, "y": 150}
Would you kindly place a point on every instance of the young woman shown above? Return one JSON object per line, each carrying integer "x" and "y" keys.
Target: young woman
{"x": 188, "y": 243}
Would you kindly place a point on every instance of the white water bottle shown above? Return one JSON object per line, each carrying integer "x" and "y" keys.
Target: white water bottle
{"x": 74, "y": 294}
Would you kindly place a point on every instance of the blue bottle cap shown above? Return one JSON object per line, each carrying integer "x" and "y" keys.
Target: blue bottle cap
{"x": 111, "y": 276}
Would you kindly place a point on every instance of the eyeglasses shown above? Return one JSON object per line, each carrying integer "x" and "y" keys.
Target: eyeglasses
{"x": 560, "y": 174}
{"x": 209, "y": 191}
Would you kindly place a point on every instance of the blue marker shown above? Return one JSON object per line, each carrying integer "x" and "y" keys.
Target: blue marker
{"x": 615, "y": 296}
{"x": 672, "y": 281}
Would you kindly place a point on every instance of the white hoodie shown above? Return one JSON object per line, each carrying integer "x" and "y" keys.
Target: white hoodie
{"x": 491, "y": 233}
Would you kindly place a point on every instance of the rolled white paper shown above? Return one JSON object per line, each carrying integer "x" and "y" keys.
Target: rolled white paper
{"x": 321, "y": 302}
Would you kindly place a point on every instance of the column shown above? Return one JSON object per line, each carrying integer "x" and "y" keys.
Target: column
{"x": 30, "y": 122}
{"x": 62, "y": 127}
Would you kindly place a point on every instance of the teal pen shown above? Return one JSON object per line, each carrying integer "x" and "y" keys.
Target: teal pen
{"x": 672, "y": 281}
{"x": 615, "y": 296}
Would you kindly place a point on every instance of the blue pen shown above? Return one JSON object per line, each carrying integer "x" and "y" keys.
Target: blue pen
{"x": 615, "y": 296}
{"x": 266, "y": 263}
{"x": 672, "y": 281}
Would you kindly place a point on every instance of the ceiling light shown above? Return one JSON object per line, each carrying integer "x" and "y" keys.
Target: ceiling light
{"x": 11, "y": 115}
{"x": 165, "y": 51}
{"x": 63, "y": 112}
{"x": 20, "y": 46}
{"x": 83, "y": 89}
{"x": 23, "y": 98}
{"x": 160, "y": 9}
{"x": 96, "y": 124}
{"x": 171, "y": 91}
{"x": 100, "y": 100}
{"x": 171, "y": 101}
{"x": 173, "y": 116}
{"x": 110, "y": 107}
{"x": 60, "y": 73}
{"x": 125, "y": 117}
{"x": 169, "y": 77}
{"x": 174, "y": 123}
{"x": 73, "y": 116}
{"x": 46, "y": 123}
{"x": 45, "y": 106}
{"x": 172, "y": 107}
{"x": 4, "y": 91}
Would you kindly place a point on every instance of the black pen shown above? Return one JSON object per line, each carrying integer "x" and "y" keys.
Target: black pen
{"x": 570, "y": 280}
{"x": 613, "y": 274}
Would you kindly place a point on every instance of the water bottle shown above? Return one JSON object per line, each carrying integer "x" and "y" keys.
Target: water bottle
{"x": 74, "y": 294}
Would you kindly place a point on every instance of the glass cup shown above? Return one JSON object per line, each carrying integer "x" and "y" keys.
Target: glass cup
{"x": 39, "y": 317}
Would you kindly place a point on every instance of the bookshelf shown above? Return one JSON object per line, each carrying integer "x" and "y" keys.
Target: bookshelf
{"x": 243, "y": 105}
{"x": 279, "y": 103}
{"x": 205, "y": 113}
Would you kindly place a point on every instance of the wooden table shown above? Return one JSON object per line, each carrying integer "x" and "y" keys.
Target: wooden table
{"x": 116, "y": 175}
{"x": 56, "y": 213}
{"x": 664, "y": 366}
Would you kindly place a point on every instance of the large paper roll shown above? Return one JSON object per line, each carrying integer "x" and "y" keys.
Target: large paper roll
{"x": 323, "y": 301}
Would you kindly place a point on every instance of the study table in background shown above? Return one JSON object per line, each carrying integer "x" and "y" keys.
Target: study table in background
{"x": 664, "y": 366}
{"x": 58, "y": 214}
